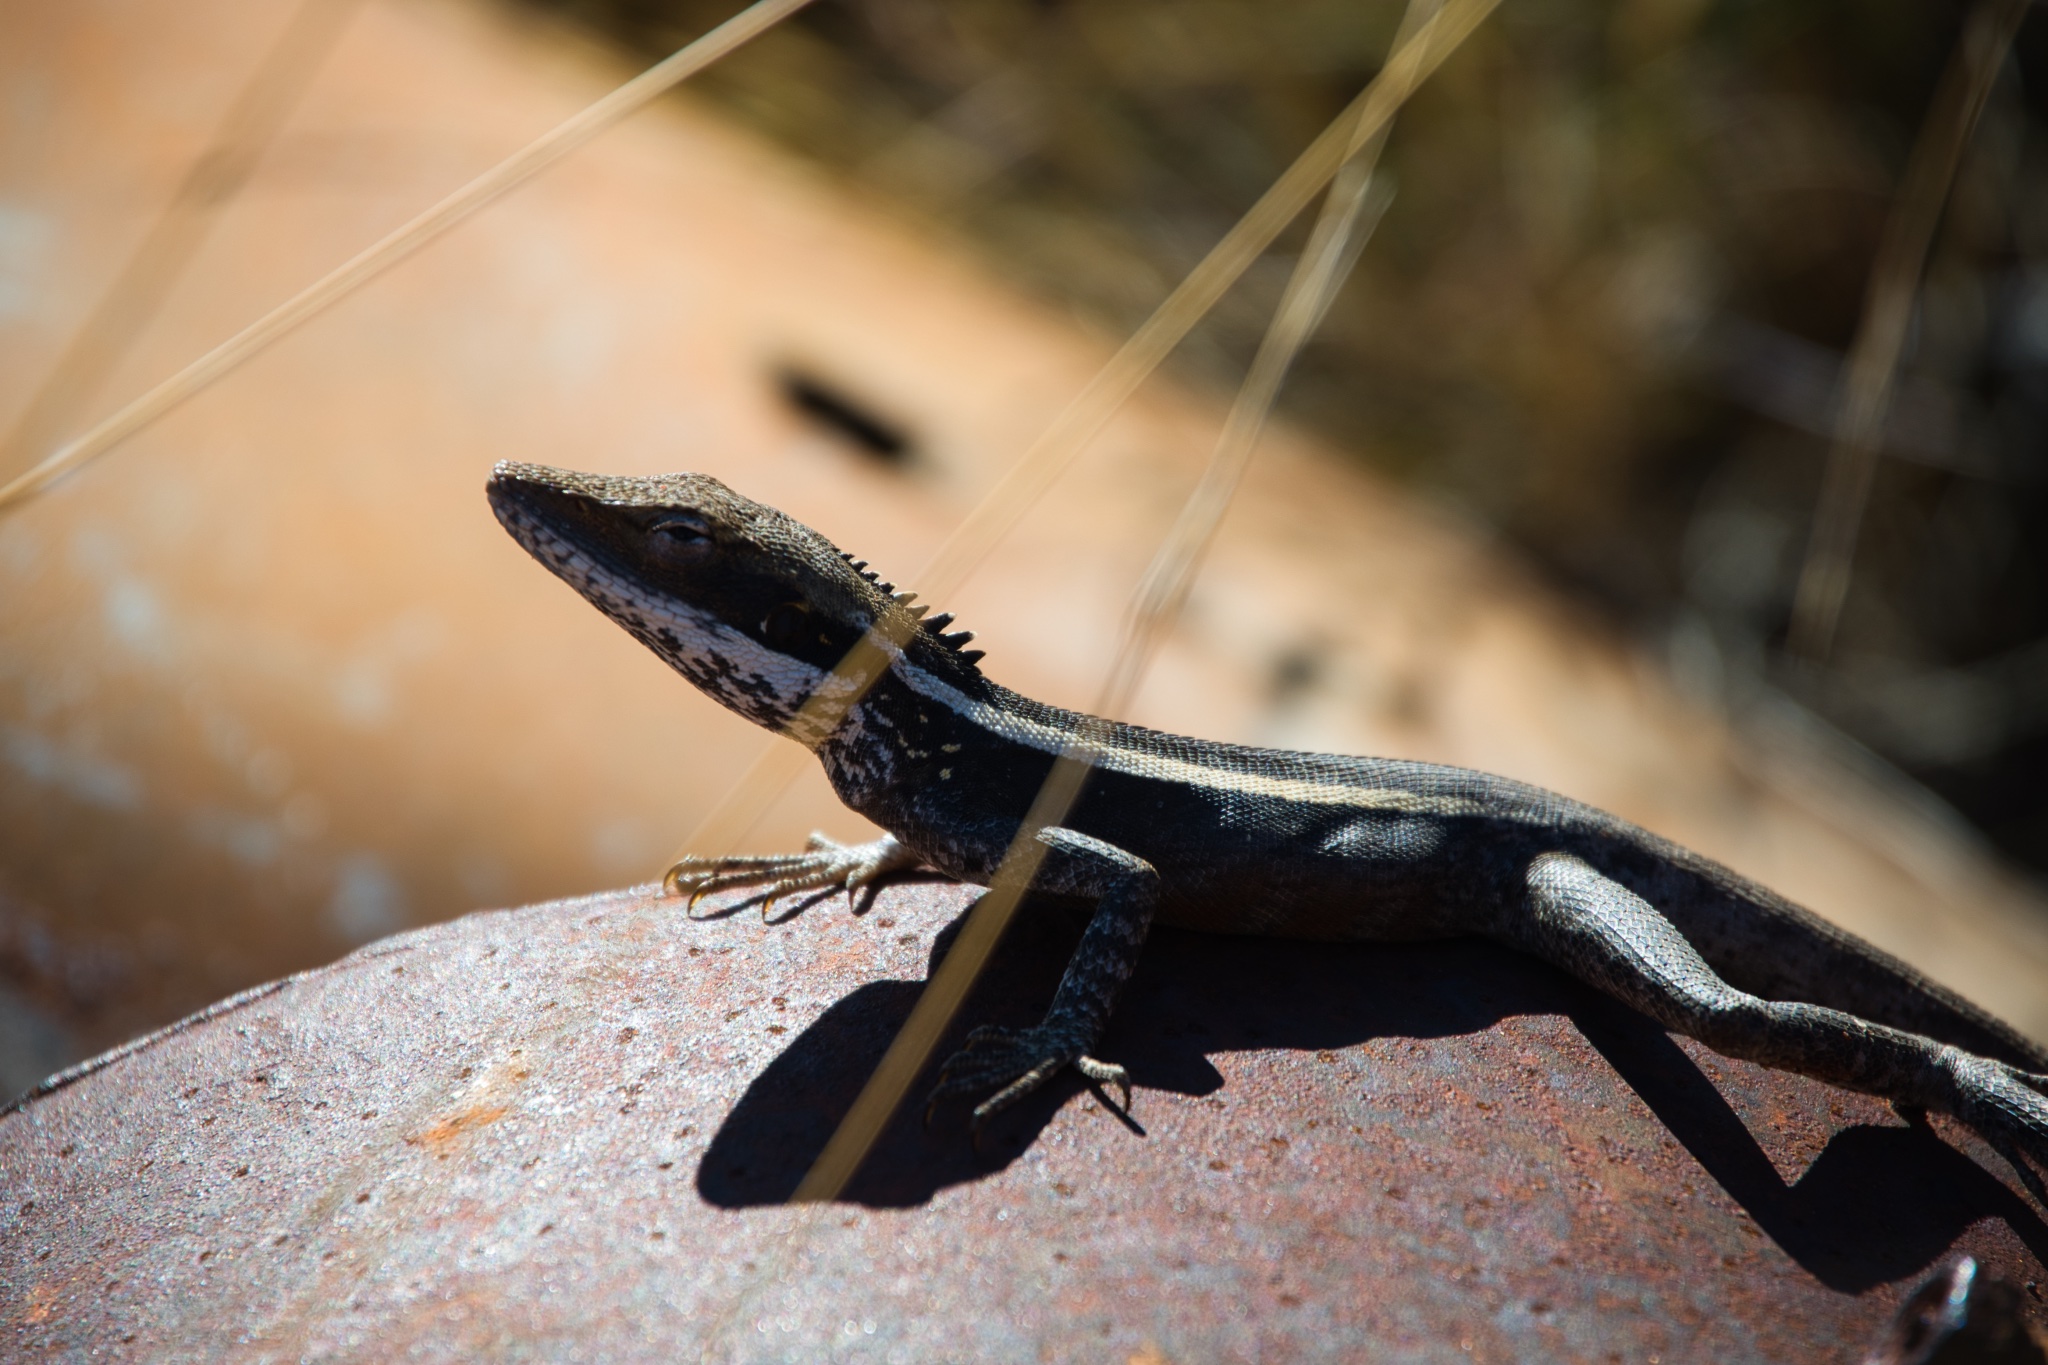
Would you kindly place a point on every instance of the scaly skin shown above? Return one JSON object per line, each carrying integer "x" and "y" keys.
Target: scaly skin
{"x": 757, "y": 610}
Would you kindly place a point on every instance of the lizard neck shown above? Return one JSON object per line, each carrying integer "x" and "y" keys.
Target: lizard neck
{"x": 910, "y": 731}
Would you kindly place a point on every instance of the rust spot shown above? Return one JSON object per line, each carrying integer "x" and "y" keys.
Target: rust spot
{"x": 443, "y": 1135}
{"x": 627, "y": 1035}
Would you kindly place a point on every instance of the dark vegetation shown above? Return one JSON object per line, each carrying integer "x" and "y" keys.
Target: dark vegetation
{"x": 1604, "y": 315}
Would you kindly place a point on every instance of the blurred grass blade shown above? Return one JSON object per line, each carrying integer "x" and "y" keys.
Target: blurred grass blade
{"x": 212, "y": 181}
{"x": 1053, "y": 452}
{"x": 330, "y": 289}
{"x": 1333, "y": 248}
{"x": 1887, "y": 318}
{"x": 1049, "y": 457}
{"x": 1306, "y": 298}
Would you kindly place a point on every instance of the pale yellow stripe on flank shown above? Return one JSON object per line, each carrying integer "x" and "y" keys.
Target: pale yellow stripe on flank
{"x": 1165, "y": 768}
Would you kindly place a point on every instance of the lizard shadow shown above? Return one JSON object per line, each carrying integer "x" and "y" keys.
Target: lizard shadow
{"x": 1879, "y": 1203}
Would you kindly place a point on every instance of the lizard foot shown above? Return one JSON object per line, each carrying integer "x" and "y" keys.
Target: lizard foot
{"x": 826, "y": 863}
{"x": 2009, "y": 1107}
{"x": 1013, "y": 1063}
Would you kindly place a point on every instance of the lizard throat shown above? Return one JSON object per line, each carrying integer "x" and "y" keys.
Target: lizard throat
{"x": 727, "y": 665}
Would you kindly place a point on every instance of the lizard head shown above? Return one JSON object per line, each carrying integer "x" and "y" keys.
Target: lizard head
{"x": 752, "y": 606}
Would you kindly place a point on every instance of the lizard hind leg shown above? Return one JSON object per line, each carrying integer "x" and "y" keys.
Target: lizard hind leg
{"x": 1015, "y": 1062}
{"x": 1609, "y": 937}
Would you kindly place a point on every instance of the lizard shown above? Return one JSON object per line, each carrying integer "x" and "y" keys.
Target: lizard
{"x": 758, "y": 611}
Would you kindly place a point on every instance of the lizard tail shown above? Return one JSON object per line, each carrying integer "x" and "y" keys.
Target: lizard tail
{"x": 1760, "y": 942}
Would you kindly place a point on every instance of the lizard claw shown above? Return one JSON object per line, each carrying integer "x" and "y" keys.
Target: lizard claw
{"x": 1107, "y": 1073}
{"x": 1013, "y": 1063}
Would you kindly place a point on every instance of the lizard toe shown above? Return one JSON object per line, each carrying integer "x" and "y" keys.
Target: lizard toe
{"x": 1106, "y": 1073}
{"x": 702, "y": 876}
{"x": 1013, "y": 1063}
{"x": 2021, "y": 1167}
{"x": 991, "y": 1056}
{"x": 1011, "y": 1093}
{"x": 826, "y": 864}
{"x": 2007, "y": 1106}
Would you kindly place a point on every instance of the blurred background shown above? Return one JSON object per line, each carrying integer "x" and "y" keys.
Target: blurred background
{"x": 272, "y": 682}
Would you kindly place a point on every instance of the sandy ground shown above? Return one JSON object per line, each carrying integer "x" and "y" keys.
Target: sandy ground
{"x": 274, "y": 664}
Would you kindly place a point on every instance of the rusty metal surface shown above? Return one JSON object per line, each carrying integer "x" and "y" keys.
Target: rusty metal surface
{"x": 562, "y": 1132}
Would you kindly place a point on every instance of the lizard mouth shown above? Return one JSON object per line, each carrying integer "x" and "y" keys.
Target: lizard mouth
{"x": 598, "y": 545}
{"x": 566, "y": 521}
{"x": 581, "y": 540}
{"x": 531, "y": 501}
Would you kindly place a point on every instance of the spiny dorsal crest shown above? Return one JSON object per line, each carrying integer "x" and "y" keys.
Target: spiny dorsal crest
{"x": 933, "y": 626}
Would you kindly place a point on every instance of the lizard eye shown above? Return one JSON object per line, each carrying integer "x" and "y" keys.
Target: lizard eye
{"x": 684, "y": 529}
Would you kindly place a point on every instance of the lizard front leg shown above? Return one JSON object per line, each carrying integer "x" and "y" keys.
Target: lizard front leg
{"x": 1606, "y": 935}
{"x": 1015, "y": 1062}
{"x": 825, "y": 862}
